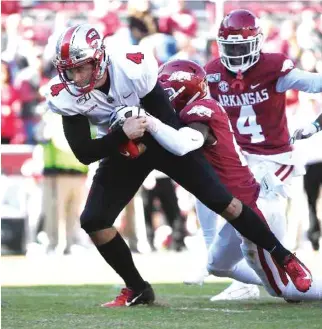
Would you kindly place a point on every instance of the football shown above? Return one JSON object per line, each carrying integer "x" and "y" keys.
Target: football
{"x": 133, "y": 148}
{"x": 122, "y": 113}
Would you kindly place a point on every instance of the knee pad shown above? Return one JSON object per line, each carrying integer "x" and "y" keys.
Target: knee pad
{"x": 91, "y": 223}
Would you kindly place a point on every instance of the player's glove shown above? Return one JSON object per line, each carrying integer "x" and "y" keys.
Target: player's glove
{"x": 305, "y": 132}
{"x": 132, "y": 149}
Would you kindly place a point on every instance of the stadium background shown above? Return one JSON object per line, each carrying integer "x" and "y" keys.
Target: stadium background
{"x": 294, "y": 28}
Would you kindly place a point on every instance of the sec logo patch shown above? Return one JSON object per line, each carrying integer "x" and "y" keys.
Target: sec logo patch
{"x": 223, "y": 86}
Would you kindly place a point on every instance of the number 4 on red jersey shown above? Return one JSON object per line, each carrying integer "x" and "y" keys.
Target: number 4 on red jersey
{"x": 135, "y": 57}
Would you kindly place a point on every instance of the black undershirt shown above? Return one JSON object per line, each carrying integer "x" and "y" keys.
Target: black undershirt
{"x": 88, "y": 150}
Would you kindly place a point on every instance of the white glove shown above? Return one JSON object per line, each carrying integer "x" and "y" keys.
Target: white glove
{"x": 304, "y": 132}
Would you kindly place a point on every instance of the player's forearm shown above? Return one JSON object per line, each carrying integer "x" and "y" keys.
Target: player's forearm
{"x": 178, "y": 142}
{"x": 300, "y": 80}
{"x": 86, "y": 149}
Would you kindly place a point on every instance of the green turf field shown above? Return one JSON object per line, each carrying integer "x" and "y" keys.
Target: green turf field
{"x": 178, "y": 306}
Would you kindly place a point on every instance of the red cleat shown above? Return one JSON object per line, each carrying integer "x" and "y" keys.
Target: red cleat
{"x": 119, "y": 300}
{"x": 128, "y": 297}
{"x": 298, "y": 272}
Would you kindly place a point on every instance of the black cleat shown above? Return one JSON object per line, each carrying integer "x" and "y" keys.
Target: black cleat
{"x": 145, "y": 296}
{"x": 128, "y": 297}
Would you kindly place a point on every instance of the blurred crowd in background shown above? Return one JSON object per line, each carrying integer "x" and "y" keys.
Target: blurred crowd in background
{"x": 50, "y": 195}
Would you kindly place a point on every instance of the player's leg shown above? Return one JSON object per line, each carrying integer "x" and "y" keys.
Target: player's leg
{"x": 50, "y": 209}
{"x": 208, "y": 221}
{"x": 114, "y": 185}
{"x": 312, "y": 184}
{"x": 169, "y": 204}
{"x": 195, "y": 174}
{"x": 274, "y": 277}
{"x": 226, "y": 260}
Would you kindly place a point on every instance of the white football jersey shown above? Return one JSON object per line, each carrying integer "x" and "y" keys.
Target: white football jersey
{"x": 133, "y": 74}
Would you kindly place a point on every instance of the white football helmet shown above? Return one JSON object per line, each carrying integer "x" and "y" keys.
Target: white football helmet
{"x": 77, "y": 46}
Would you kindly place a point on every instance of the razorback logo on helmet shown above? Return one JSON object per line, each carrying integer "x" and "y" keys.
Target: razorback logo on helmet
{"x": 287, "y": 65}
{"x": 201, "y": 111}
{"x": 91, "y": 37}
{"x": 180, "y": 76}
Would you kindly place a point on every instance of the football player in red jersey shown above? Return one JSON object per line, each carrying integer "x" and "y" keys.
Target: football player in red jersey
{"x": 236, "y": 257}
{"x": 251, "y": 86}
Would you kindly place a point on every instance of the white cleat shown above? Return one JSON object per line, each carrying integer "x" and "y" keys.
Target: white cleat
{"x": 197, "y": 277}
{"x": 238, "y": 291}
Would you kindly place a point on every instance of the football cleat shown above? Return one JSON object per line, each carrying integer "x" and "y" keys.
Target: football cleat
{"x": 128, "y": 297}
{"x": 314, "y": 237}
{"x": 238, "y": 291}
{"x": 298, "y": 273}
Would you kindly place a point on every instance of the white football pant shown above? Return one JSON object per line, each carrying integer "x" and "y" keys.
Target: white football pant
{"x": 233, "y": 256}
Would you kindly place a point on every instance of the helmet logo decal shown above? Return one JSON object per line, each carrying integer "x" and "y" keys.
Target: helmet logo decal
{"x": 91, "y": 38}
{"x": 201, "y": 111}
{"x": 180, "y": 76}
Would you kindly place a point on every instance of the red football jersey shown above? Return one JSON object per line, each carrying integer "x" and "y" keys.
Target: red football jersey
{"x": 255, "y": 109}
{"x": 225, "y": 157}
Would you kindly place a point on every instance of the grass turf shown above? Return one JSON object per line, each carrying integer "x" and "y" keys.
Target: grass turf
{"x": 177, "y": 306}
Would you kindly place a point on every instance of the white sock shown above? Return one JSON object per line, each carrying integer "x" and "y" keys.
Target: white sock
{"x": 207, "y": 219}
{"x": 242, "y": 272}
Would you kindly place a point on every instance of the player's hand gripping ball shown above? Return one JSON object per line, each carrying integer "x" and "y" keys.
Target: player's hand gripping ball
{"x": 134, "y": 147}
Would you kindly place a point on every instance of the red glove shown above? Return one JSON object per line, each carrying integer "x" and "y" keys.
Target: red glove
{"x": 132, "y": 150}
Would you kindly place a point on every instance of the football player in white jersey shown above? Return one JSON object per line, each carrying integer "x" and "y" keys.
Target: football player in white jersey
{"x": 92, "y": 83}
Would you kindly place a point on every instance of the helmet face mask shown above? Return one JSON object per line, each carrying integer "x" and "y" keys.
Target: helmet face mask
{"x": 184, "y": 81}
{"x": 77, "y": 46}
{"x": 240, "y": 55}
{"x": 240, "y": 41}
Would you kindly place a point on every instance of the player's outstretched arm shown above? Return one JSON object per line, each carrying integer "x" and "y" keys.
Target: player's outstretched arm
{"x": 178, "y": 142}
{"x": 86, "y": 149}
{"x": 300, "y": 80}
{"x": 307, "y": 131}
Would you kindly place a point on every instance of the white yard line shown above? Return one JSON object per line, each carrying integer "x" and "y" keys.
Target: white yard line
{"x": 224, "y": 310}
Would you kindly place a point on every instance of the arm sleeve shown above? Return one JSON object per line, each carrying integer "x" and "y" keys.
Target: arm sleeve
{"x": 178, "y": 142}
{"x": 86, "y": 149}
{"x": 157, "y": 103}
{"x": 300, "y": 80}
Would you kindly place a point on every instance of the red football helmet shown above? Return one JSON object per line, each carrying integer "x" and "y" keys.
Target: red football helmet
{"x": 184, "y": 81}
{"x": 240, "y": 40}
{"x": 77, "y": 46}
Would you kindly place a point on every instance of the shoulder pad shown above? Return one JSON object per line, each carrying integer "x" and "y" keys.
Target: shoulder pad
{"x": 197, "y": 112}
{"x": 134, "y": 61}
{"x": 58, "y": 99}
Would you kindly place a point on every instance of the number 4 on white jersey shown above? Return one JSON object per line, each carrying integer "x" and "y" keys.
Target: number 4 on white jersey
{"x": 247, "y": 113}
